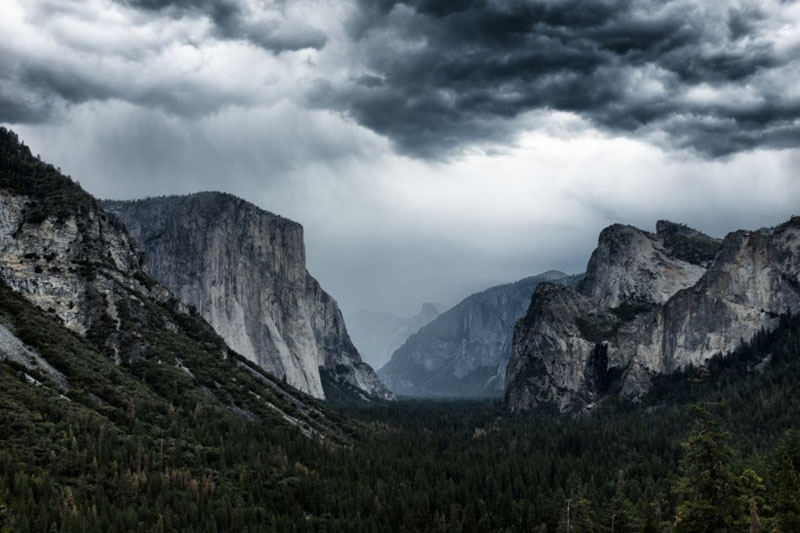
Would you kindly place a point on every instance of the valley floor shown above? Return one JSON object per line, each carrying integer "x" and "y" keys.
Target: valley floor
{"x": 424, "y": 465}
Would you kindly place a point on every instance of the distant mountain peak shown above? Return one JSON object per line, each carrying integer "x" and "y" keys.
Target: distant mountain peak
{"x": 378, "y": 335}
{"x": 464, "y": 351}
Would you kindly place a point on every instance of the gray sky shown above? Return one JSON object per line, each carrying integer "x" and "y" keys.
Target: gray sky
{"x": 430, "y": 148}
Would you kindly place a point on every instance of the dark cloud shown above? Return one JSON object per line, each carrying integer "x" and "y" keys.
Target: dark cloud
{"x": 36, "y": 92}
{"x": 15, "y": 108}
{"x": 232, "y": 22}
{"x": 436, "y": 76}
{"x": 442, "y": 75}
{"x": 55, "y": 63}
{"x": 20, "y": 102}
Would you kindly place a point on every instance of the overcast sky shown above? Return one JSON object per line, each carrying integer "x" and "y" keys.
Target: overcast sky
{"x": 430, "y": 148}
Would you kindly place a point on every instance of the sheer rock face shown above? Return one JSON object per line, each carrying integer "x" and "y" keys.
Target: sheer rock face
{"x": 630, "y": 264}
{"x": 243, "y": 269}
{"x": 639, "y": 312}
{"x": 464, "y": 352}
{"x": 550, "y": 330}
{"x": 753, "y": 279}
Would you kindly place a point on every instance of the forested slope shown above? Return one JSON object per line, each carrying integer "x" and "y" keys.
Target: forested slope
{"x": 155, "y": 465}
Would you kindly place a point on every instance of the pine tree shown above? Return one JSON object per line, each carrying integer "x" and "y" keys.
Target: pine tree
{"x": 753, "y": 497}
{"x": 577, "y": 516}
{"x": 622, "y": 511}
{"x": 5, "y": 522}
{"x": 712, "y": 497}
{"x": 785, "y": 475}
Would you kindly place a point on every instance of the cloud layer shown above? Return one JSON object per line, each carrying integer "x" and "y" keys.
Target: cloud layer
{"x": 187, "y": 57}
{"x": 430, "y": 149}
{"x": 436, "y": 78}
{"x": 709, "y": 76}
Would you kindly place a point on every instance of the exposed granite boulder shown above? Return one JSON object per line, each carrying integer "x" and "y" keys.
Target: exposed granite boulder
{"x": 633, "y": 265}
{"x": 13, "y": 349}
{"x": 552, "y": 330}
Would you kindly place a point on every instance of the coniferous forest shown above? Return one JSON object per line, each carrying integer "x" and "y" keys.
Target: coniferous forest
{"x": 714, "y": 450}
{"x": 144, "y": 445}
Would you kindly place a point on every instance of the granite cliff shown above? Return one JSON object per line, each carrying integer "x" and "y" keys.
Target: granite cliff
{"x": 81, "y": 315}
{"x": 243, "y": 270}
{"x": 650, "y": 304}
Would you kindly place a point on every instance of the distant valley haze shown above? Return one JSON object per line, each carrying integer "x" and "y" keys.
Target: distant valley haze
{"x": 429, "y": 149}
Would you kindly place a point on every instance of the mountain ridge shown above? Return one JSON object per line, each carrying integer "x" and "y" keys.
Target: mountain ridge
{"x": 74, "y": 293}
{"x": 642, "y": 310}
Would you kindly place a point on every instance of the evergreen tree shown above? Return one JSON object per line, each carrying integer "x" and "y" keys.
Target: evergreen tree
{"x": 712, "y": 497}
{"x": 785, "y": 474}
{"x": 752, "y": 486}
{"x": 5, "y": 522}
{"x": 623, "y": 517}
{"x": 577, "y": 516}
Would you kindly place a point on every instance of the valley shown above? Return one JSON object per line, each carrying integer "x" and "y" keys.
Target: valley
{"x": 169, "y": 364}
{"x": 399, "y": 266}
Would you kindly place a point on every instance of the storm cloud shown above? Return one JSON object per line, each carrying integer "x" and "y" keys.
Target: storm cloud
{"x": 437, "y": 78}
{"x": 186, "y": 57}
{"x": 270, "y": 28}
{"x": 710, "y": 76}
{"x": 430, "y": 149}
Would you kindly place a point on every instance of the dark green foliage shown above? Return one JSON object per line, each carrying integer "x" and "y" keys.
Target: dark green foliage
{"x": 50, "y": 193}
{"x": 784, "y": 470}
{"x": 598, "y": 327}
{"x": 688, "y": 244}
{"x": 135, "y": 446}
{"x": 711, "y": 492}
{"x": 185, "y": 435}
{"x": 140, "y": 462}
{"x": 693, "y": 250}
{"x": 629, "y": 310}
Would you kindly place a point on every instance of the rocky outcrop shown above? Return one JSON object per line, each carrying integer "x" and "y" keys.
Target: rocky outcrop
{"x": 632, "y": 265}
{"x": 378, "y": 335}
{"x": 243, "y": 269}
{"x": 555, "y": 328}
{"x": 643, "y": 310}
{"x": 66, "y": 255}
{"x": 464, "y": 352}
